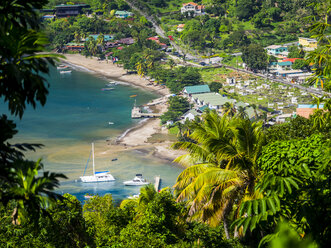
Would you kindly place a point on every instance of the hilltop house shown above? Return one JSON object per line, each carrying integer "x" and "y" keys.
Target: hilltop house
{"x": 193, "y": 9}
{"x": 123, "y": 14}
{"x": 180, "y": 27}
{"x": 64, "y": 10}
{"x": 308, "y": 43}
{"x": 190, "y": 115}
{"x": 196, "y": 89}
{"x": 290, "y": 59}
{"x": 305, "y": 110}
{"x": 284, "y": 65}
{"x": 156, "y": 39}
{"x": 276, "y": 50}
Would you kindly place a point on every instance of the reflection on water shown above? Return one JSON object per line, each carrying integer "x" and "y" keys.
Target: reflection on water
{"x": 77, "y": 113}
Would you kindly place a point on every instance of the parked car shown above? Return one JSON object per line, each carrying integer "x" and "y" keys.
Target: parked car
{"x": 202, "y": 63}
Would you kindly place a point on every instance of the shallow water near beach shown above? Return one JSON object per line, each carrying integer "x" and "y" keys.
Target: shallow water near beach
{"x": 78, "y": 112}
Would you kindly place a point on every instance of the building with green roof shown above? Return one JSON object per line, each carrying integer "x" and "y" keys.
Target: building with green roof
{"x": 123, "y": 14}
{"x": 212, "y": 100}
{"x": 196, "y": 89}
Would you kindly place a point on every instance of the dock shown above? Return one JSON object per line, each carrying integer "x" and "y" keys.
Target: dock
{"x": 137, "y": 113}
{"x": 157, "y": 184}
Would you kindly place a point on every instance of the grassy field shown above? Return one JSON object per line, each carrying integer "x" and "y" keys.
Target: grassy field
{"x": 213, "y": 74}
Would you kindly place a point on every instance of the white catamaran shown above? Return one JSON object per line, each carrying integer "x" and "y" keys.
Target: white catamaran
{"x": 101, "y": 176}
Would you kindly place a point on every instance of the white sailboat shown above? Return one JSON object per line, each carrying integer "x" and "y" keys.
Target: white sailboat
{"x": 101, "y": 176}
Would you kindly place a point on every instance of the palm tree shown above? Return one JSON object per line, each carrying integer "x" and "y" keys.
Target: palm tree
{"x": 101, "y": 40}
{"x": 147, "y": 194}
{"x": 221, "y": 167}
{"x": 255, "y": 110}
{"x": 77, "y": 36}
{"x": 242, "y": 112}
{"x": 229, "y": 109}
{"x": 31, "y": 193}
{"x": 317, "y": 100}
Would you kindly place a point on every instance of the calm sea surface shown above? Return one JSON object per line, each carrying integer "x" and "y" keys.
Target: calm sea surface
{"x": 78, "y": 112}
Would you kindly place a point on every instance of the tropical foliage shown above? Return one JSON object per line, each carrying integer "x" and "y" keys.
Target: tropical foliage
{"x": 222, "y": 167}
{"x": 22, "y": 186}
{"x": 293, "y": 181}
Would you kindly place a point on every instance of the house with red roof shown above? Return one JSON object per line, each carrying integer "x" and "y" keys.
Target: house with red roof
{"x": 180, "y": 27}
{"x": 193, "y": 9}
{"x": 156, "y": 39}
{"x": 290, "y": 60}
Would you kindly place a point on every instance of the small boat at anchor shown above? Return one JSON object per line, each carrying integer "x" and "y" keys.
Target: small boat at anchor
{"x": 112, "y": 84}
{"x": 62, "y": 67}
{"x": 138, "y": 180}
{"x": 107, "y": 89}
{"x": 65, "y": 72}
{"x": 87, "y": 196}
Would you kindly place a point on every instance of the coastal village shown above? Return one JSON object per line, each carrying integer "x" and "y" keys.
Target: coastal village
{"x": 167, "y": 123}
{"x": 275, "y": 101}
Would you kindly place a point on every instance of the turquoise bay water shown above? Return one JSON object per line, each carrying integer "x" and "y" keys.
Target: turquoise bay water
{"x": 78, "y": 112}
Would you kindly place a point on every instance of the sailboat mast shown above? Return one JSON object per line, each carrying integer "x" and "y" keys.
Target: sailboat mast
{"x": 93, "y": 158}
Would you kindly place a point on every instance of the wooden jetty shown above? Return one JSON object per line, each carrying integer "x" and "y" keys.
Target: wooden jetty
{"x": 137, "y": 113}
{"x": 157, "y": 184}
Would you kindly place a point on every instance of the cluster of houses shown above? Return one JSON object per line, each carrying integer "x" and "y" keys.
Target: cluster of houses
{"x": 108, "y": 43}
{"x": 69, "y": 10}
{"x": 202, "y": 98}
{"x": 283, "y": 67}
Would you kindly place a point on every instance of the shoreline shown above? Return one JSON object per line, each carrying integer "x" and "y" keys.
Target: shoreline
{"x": 114, "y": 72}
{"x": 136, "y": 137}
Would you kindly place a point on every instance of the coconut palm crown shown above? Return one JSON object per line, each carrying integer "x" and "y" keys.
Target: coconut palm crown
{"x": 221, "y": 167}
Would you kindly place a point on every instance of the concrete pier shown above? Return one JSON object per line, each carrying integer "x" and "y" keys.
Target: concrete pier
{"x": 136, "y": 113}
{"x": 157, "y": 184}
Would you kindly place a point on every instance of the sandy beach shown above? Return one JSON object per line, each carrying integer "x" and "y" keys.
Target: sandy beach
{"x": 114, "y": 71}
{"x": 137, "y": 137}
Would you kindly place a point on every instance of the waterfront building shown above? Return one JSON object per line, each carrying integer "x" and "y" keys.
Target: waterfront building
{"x": 196, "y": 89}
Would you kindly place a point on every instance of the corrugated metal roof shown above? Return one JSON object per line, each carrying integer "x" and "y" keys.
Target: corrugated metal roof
{"x": 285, "y": 63}
{"x": 196, "y": 89}
{"x": 213, "y": 99}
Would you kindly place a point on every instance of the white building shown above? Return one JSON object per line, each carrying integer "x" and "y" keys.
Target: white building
{"x": 193, "y": 8}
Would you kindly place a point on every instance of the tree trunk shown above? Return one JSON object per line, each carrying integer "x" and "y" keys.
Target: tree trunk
{"x": 226, "y": 228}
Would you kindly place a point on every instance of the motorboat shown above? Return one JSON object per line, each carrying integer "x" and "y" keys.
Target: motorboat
{"x": 133, "y": 196}
{"x": 107, "y": 89}
{"x": 87, "y": 196}
{"x": 138, "y": 180}
{"x": 62, "y": 67}
{"x": 101, "y": 176}
{"x": 65, "y": 72}
{"x": 112, "y": 84}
